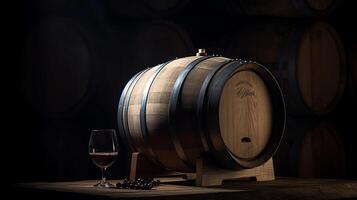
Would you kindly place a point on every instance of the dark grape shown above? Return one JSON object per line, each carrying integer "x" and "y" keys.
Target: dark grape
{"x": 139, "y": 183}
{"x": 125, "y": 185}
{"x": 146, "y": 186}
{"x": 131, "y": 186}
{"x": 156, "y": 183}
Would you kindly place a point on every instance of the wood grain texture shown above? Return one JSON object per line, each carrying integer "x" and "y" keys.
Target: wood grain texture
{"x": 322, "y": 154}
{"x": 188, "y": 125}
{"x": 209, "y": 174}
{"x": 311, "y": 149}
{"x": 245, "y": 115}
{"x": 318, "y": 67}
{"x": 133, "y": 115}
{"x": 141, "y": 167}
{"x": 157, "y": 111}
{"x": 282, "y": 188}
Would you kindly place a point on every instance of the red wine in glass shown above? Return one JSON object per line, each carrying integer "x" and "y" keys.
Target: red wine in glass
{"x": 103, "y": 150}
{"x": 103, "y": 159}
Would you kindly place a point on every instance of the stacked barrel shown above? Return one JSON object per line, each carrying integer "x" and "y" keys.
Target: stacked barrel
{"x": 81, "y": 59}
{"x": 307, "y": 56}
{"x": 77, "y": 57}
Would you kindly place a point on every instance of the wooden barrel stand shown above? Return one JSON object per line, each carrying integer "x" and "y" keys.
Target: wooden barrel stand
{"x": 207, "y": 172}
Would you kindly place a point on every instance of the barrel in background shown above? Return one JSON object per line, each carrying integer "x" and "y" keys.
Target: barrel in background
{"x": 65, "y": 62}
{"x": 75, "y": 68}
{"x": 60, "y": 149}
{"x": 352, "y": 62}
{"x": 152, "y": 42}
{"x": 349, "y": 107}
{"x": 307, "y": 59}
{"x": 282, "y": 8}
{"x": 143, "y": 9}
{"x": 311, "y": 148}
{"x": 176, "y": 111}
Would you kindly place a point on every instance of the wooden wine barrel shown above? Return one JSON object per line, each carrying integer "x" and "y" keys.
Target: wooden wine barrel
{"x": 307, "y": 59}
{"x": 142, "y": 9}
{"x": 178, "y": 110}
{"x": 311, "y": 149}
{"x": 73, "y": 67}
{"x": 286, "y": 8}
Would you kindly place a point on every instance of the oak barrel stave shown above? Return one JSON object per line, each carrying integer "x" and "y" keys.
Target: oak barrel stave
{"x": 133, "y": 115}
{"x": 188, "y": 107}
{"x": 158, "y": 107}
{"x": 123, "y": 110}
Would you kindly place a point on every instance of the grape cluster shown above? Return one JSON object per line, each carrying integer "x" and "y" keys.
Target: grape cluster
{"x": 139, "y": 184}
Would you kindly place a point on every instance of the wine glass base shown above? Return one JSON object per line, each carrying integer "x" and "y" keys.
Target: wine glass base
{"x": 104, "y": 185}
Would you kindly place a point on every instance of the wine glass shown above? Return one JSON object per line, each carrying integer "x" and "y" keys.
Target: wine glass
{"x": 103, "y": 150}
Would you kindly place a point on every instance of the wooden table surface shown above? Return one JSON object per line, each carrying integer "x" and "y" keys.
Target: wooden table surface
{"x": 174, "y": 188}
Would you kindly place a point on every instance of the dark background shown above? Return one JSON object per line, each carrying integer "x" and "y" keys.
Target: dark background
{"x": 42, "y": 147}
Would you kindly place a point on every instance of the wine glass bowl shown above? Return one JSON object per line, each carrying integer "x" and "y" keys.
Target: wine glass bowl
{"x": 103, "y": 150}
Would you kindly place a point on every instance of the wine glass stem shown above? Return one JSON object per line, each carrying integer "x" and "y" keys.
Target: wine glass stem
{"x": 103, "y": 175}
